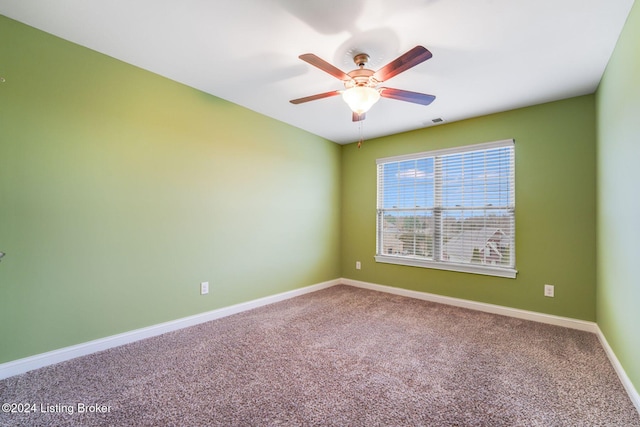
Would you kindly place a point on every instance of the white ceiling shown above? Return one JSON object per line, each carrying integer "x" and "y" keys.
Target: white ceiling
{"x": 488, "y": 55}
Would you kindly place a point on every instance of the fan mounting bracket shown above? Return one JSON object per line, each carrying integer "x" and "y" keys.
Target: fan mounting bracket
{"x": 361, "y": 59}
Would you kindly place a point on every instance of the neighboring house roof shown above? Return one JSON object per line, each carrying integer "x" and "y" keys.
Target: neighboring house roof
{"x": 460, "y": 247}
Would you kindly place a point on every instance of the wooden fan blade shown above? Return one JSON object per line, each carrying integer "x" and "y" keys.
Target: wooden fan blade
{"x": 358, "y": 117}
{"x": 314, "y": 97}
{"x": 410, "y": 59}
{"x": 405, "y": 95}
{"x": 325, "y": 66}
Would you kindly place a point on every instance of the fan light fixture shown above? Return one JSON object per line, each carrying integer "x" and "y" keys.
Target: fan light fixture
{"x": 361, "y": 90}
{"x": 360, "y": 98}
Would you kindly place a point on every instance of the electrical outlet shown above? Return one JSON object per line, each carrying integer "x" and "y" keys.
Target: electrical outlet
{"x": 358, "y": 265}
{"x": 548, "y": 291}
{"x": 204, "y": 288}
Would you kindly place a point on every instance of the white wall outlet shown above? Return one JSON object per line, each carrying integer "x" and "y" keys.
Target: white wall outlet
{"x": 358, "y": 265}
{"x": 204, "y": 288}
{"x": 548, "y": 291}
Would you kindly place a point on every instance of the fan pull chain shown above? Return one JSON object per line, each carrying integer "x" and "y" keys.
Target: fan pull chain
{"x": 361, "y": 140}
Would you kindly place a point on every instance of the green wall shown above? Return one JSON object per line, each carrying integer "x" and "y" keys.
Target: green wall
{"x": 120, "y": 191}
{"x": 555, "y": 209}
{"x": 618, "y": 146}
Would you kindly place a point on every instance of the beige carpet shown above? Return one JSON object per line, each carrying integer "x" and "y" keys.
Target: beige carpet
{"x": 338, "y": 357}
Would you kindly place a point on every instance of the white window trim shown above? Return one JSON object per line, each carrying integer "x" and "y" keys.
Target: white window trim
{"x": 445, "y": 151}
{"x": 486, "y": 270}
{"x": 448, "y": 266}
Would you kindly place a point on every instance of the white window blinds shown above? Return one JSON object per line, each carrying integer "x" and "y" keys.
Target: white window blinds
{"x": 450, "y": 209}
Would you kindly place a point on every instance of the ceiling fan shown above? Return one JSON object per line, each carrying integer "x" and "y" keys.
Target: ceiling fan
{"x": 361, "y": 89}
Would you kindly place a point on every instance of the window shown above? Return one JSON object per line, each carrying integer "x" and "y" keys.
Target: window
{"x": 449, "y": 209}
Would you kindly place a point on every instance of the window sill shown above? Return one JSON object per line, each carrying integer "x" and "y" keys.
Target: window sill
{"x": 463, "y": 268}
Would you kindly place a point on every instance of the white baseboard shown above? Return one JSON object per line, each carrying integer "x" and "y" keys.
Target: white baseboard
{"x": 567, "y": 322}
{"x": 626, "y": 382}
{"x": 26, "y": 364}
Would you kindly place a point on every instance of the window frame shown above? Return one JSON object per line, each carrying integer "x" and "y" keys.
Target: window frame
{"x": 438, "y": 208}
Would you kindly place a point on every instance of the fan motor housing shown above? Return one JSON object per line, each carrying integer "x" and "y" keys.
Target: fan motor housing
{"x": 361, "y": 76}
